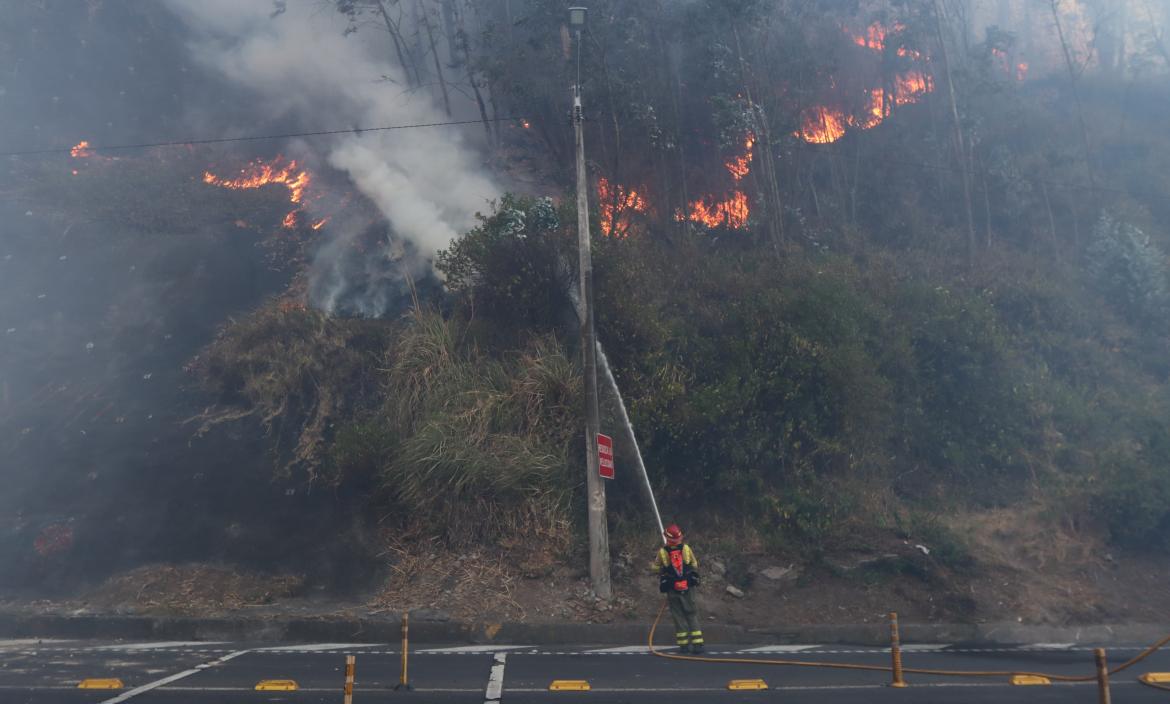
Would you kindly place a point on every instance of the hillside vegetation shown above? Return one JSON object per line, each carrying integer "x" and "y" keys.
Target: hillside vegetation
{"x": 864, "y": 347}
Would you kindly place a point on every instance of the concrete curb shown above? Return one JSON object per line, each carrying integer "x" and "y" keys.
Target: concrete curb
{"x": 388, "y": 630}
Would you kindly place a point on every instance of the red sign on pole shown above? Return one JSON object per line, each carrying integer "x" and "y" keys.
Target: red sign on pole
{"x": 605, "y": 456}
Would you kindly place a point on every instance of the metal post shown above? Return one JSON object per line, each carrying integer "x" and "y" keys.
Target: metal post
{"x": 594, "y": 486}
{"x": 1103, "y": 695}
{"x": 896, "y": 652}
{"x": 349, "y": 671}
{"x": 404, "y": 678}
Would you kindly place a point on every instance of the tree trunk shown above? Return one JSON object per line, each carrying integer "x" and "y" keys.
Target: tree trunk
{"x": 1156, "y": 35}
{"x": 1003, "y": 13}
{"x": 465, "y": 47}
{"x": 495, "y": 111}
{"x": 426, "y": 22}
{"x": 1072, "y": 78}
{"x": 675, "y": 92}
{"x": 764, "y": 156}
{"x": 451, "y": 28}
{"x": 392, "y": 28}
{"x": 1051, "y": 221}
{"x": 1028, "y": 34}
{"x": 616, "y": 177}
{"x": 986, "y": 204}
{"x": 856, "y": 178}
{"x": 960, "y": 148}
{"x": 1109, "y": 37}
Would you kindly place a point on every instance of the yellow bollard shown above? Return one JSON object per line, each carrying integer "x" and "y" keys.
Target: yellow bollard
{"x": 349, "y": 669}
{"x": 896, "y": 651}
{"x": 1103, "y": 695}
{"x": 404, "y": 680}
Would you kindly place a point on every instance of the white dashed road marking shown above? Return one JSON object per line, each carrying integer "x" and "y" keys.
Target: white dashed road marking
{"x": 473, "y": 649}
{"x": 319, "y": 646}
{"x": 495, "y": 685}
{"x": 924, "y": 647}
{"x": 626, "y": 649}
{"x": 780, "y": 649}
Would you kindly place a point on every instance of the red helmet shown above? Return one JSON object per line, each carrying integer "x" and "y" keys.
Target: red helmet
{"x": 673, "y": 535}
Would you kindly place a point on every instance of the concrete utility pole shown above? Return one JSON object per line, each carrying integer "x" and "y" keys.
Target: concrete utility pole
{"x": 594, "y": 486}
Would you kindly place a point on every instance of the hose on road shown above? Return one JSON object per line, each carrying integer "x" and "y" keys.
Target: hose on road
{"x": 912, "y": 670}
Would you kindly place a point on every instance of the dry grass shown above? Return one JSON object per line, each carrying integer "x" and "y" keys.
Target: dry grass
{"x": 475, "y": 585}
{"x": 1030, "y": 538}
{"x": 1034, "y": 565}
{"x": 190, "y": 589}
{"x": 298, "y": 372}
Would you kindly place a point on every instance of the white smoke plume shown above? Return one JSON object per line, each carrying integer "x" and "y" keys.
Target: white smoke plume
{"x": 428, "y": 182}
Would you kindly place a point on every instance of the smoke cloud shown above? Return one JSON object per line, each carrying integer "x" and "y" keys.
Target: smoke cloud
{"x": 303, "y": 67}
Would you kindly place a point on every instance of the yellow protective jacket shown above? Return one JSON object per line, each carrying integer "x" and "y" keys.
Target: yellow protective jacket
{"x": 662, "y": 561}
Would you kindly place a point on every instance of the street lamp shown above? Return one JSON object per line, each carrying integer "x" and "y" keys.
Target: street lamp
{"x": 577, "y": 17}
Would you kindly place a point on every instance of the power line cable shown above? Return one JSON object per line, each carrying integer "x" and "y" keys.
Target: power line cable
{"x": 252, "y": 138}
{"x": 817, "y": 148}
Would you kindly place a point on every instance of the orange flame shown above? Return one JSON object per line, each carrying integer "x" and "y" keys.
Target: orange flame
{"x": 259, "y": 174}
{"x": 874, "y": 37}
{"x": 613, "y": 203}
{"x": 740, "y": 166}
{"x": 732, "y": 212}
{"x": 81, "y": 150}
{"x": 822, "y": 125}
{"x": 911, "y": 86}
{"x": 876, "y": 110}
{"x": 319, "y": 224}
{"x": 1004, "y": 62}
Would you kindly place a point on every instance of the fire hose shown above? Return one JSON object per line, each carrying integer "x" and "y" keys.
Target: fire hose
{"x": 912, "y": 670}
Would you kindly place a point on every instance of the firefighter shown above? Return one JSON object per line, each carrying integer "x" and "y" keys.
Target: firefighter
{"x": 678, "y": 575}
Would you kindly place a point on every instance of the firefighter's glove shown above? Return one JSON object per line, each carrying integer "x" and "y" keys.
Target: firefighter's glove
{"x": 693, "y": 577}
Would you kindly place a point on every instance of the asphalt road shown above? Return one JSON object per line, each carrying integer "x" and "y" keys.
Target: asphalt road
{"x": 48, "y": 672}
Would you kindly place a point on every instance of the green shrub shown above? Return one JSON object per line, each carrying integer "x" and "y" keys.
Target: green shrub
{"x": 511, "y": 271}
{"x": 1134, "y": 502}
{"x": 965, "y": 415}
{"x": 1128, "y": 269}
